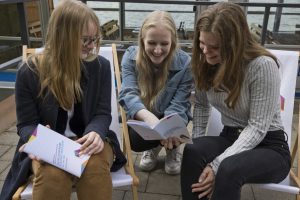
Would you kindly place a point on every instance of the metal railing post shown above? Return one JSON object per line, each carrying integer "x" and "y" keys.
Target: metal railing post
{"x": 44, "y": 16}
{"x": 265, "y": 25}
{"x": 277, "y": 18}
{"x": 122, "y": 19}
{"x": 23, "y": 24}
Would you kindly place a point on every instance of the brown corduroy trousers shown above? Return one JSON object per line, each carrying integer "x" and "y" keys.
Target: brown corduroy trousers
{"x": 95, "y": 183}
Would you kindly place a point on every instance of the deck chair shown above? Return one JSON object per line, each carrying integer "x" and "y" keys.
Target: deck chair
{"x": 126, "y": 175}
{"x": 288, "y": 68}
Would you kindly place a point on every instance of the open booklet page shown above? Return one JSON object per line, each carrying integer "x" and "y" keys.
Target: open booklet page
{"x": 169, "y": 126}
{"x": 57, "y": 150}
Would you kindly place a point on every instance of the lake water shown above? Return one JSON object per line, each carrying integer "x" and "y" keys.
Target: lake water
{"x": 134, "y": 19}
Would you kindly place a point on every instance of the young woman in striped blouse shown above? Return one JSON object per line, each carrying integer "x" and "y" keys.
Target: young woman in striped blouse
{"x": 240, "y": 79}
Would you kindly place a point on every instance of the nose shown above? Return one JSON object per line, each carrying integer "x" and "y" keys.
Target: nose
{"x": 90, "y": 44}
{"x": 205, "y": 49}
{"x": 157, "y": 49}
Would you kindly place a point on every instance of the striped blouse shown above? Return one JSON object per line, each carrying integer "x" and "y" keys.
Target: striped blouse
{"x": 257, "y": 108}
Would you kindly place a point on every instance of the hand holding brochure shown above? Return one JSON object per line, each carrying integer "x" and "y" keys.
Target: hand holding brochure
{"x": 169, "y": 126}
{"x": 57, "y": 150}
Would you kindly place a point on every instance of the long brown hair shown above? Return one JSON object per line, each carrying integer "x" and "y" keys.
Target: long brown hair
{"x": 151, "y": 81}
{"x": 59, "y": 66}
{"x": 228, "y": 23}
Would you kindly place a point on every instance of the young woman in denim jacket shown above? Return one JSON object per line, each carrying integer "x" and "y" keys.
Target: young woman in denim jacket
{"x": 240, "y": 79}
{"x": 156, "y": 81}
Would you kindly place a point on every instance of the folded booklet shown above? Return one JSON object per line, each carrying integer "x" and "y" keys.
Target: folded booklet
{"x": 56, "y": 150}
{"x": 169, "y": 126}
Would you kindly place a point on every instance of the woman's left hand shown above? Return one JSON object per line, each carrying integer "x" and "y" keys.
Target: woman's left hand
{"x": 91, "y": 143}
{"x": 206, "y": 182}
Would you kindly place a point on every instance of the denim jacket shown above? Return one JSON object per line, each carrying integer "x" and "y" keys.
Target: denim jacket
{"x": 173, "y": 99}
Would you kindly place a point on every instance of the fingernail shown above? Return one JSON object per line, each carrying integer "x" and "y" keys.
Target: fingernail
{"x": 77, "y": 152}
{"x": 200, "y": 180}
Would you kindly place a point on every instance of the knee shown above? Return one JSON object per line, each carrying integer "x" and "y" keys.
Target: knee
{"x": 193, "y": 154}
{"x": 138, "y": 144}
{"x": 228, "y": 171}
{"x": 51, "y": 174}
{"x": 134, "y": 147}
{"x": 100, "y": 162}
{"x": 189, "y": 151}
{"x": 97, "y": 171}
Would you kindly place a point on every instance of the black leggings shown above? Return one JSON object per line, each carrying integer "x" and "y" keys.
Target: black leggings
{"x": 138, "y": 144}
{"x": 269, "y": 162}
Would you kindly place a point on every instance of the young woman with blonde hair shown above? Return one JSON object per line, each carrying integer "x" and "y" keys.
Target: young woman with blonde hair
{"x": 67, "y": 87}
{"x": 156, "y": 82}
{"x": 239, "y": 78}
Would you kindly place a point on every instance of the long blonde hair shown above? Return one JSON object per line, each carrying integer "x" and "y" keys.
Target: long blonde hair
{"x": 59, "y": 66}
{"x": 151, "y": 80}
{"x": 228, "y": 23}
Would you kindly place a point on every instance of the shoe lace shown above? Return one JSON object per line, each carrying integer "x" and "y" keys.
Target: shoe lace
{"x": 148, "y": 155}
{"x": 178, "y": 156}
{"x": 174, "y": 155}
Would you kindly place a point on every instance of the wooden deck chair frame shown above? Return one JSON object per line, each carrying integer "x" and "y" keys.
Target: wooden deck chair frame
{"x": 126, "y": 175}
{"x": 291, "y": 184}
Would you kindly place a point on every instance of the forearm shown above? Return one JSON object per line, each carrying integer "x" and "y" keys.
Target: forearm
{"x": 146, "y": 116}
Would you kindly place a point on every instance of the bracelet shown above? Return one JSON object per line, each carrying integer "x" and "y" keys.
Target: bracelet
{"x": 210, "y": 165}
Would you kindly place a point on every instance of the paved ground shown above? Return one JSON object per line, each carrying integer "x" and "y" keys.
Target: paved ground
{"x": 154, "y": 185}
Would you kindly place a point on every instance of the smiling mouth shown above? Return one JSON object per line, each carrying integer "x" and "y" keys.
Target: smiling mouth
{"x": 156, "y": 55}
{"x": 212, "y": 57}
{"x": 86, "y": 50}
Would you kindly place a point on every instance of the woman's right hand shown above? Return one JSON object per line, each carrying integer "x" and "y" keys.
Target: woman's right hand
{"x": 205, "y": 184}
{"x": 31, "y": 156}
{"x": 170, "y": 143}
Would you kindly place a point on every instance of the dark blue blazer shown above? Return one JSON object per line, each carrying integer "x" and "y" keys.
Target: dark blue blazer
{"x": 95, "y": 110}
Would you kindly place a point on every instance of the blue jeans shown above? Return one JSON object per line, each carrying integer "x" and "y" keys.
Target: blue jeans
{"x": 269, "y": 162}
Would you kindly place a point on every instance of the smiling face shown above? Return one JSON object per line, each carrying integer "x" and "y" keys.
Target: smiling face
{"x": 88, "y": 40}
{"x": 209, "y": 44}
{"x": 157, "y": 43}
